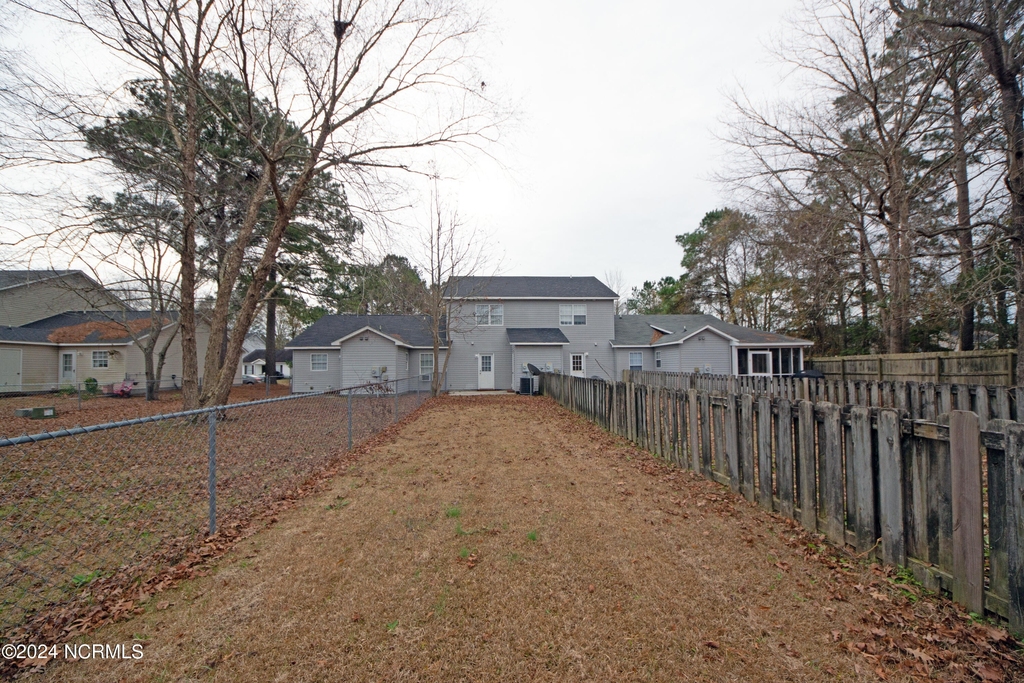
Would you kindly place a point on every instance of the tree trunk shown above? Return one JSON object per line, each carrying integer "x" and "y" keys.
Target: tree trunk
{"x": 965, "y": 237}
{"x": 147, "y": 358}
{"x": 189, "y": 347}
{"x": 270, "y": 359}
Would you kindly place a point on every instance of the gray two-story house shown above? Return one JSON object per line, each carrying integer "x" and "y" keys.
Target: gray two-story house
{"x": 499, "y": 326}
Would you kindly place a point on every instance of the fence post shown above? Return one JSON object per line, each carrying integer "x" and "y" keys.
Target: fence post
{"x": 396, "y": 401}
{"x": 831, "y": 479}
{"x": 350, "y": 419}
{"x": 1015, "y": 525}
{"x": 968, "y": 539}
{"x": 890, "y": 488}
{"x": 79, "y": 395}
{"x": 764, "y": 453}
{"x": 212, "y": 478}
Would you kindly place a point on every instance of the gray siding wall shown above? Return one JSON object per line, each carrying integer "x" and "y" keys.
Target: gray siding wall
{"x": 622, "y": 360}
{"x": 714, "y": 351}
{"x": 670, "y": 358}
{"x": 305, "y": 380}
{"x": 539, "y": 356}
{"x": 358, "y": 358}
{"x": 470, "y": 340}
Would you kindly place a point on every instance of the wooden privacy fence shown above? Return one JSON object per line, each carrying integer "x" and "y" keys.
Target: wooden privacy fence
{"x": 920, "y": 401}
{"x": 944, "y": 498}
{"x": 981, "y": 367}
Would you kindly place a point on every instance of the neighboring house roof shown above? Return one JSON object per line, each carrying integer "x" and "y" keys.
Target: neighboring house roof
{"x": 406, "y": 330}
{"x": 282, "y": 356}
{"x": 530, "y": 288}
{"x": 660, "y": 330}
{"x": 94, "y": 327}
{"x": 525, "y": 336}
{"x": 20, "y": 278}
{"x": 24, "y": 335}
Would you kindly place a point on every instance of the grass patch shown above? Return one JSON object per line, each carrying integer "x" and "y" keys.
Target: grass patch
{"x": 392, "y": 626}
{"x": 532, "y": 536}
{"x": 453, "y": 512}
{"x": 339, "y": 503}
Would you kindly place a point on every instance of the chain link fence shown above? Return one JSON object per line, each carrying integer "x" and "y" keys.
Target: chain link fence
{"x": 92, "y": 510}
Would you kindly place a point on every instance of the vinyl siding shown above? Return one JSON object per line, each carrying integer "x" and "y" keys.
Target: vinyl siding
{"x": 305, "y": 380}
{"x": 622, "y": 360}
{"x": 539, "y": 356}
{"x": 358, "y": 358}
{"x": 714, "y": 351}
{"x": 38, "y": 300}
{"x": 38, "y": 366}
{"x": 670, "y": 359}
{"x": 470, "y": 340}
{"x": 114, "y": 372}
{"x": 414, "y": 369}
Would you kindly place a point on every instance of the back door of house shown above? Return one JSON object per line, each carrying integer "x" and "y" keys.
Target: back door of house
{"x": 485, "y": 374}
{"x": 67, "y": 367}
{"x": 10, "y": 370}
{"x": 578, "y": 365}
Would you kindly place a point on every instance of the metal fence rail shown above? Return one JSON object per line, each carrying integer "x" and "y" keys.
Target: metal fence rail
{"x": 89, "y": 511}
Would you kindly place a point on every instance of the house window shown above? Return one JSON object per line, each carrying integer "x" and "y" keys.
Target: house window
{"x": 787, "y": 365}
{"x": 657, "y": 359}
{"x": 68, "y": 363}
{"x": 490, "y": 314}
{"x": 426, "y": 366}
{"x": 636, "y": 360}
{"x": 101, "y": 359}
{"x": 572, "y": 314}
{"x": 759, "y": 362}
{"x": 318, "y": 362}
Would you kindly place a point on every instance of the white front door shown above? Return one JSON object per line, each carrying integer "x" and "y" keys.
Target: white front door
{"x": 485, "y": 374}
{"x": 10, "y": 370}
{"x": 578, "y": 365}
{"x": 67, "y": 367}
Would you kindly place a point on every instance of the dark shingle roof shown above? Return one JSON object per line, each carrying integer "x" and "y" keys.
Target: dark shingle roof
{"x": 17, "y": 278}
{"x": 282, "y": 356}
{"x": 536, "y": 335}
{"x": 532, "y": 287}
{"x": 93, "y": 327}
{"x": 411, "y": 330}
{"x": 638, "y": 330}
{"x": 22, "y": 334}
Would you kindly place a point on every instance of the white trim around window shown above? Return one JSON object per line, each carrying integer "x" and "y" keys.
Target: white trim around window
{"x": 101, "y": 359}
{"x": 318, "y": 362}
{"x": 426, "y": 366}
{"x": 572, "y": 314}
{"x": 490, "y": 314}
{"x": 636, "y": 360}
{"x": 657, "y": 359}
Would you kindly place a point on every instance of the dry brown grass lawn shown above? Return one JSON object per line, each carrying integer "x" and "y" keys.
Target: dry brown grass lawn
{"x": 506, "y": 539}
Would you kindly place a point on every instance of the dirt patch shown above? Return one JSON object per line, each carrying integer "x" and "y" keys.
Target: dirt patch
{"x": 506, "y": 539}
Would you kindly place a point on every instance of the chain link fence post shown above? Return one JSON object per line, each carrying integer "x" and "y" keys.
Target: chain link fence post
{"x": 350, "y": 419}
{"x": 79, "y": 385}
{"x": 212, "y": 482}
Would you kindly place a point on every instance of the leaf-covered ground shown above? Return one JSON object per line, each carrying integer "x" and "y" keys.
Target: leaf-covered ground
{"x": 506, "y": 539}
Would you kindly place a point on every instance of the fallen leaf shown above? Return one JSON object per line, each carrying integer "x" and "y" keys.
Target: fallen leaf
{"x": 712, "y": 644}
{"x": 988, "y": 672}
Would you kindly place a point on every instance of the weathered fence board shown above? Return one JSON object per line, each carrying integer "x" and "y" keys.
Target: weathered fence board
{"x": 861, "y": 474}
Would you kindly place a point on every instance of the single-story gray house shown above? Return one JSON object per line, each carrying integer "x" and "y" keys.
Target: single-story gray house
{"x": 253, "y": 362}
{"x": 500, "y": 325}
{"x": 341, "y": 351}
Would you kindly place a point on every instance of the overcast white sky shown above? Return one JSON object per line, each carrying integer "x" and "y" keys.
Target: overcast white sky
{"x": 614, "y": 148}
{"x": 619, "y": 105}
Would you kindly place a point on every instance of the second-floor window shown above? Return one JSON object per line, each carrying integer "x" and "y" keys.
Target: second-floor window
{"x": 572, "y": 314}
{"x": 490, "y": 314}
